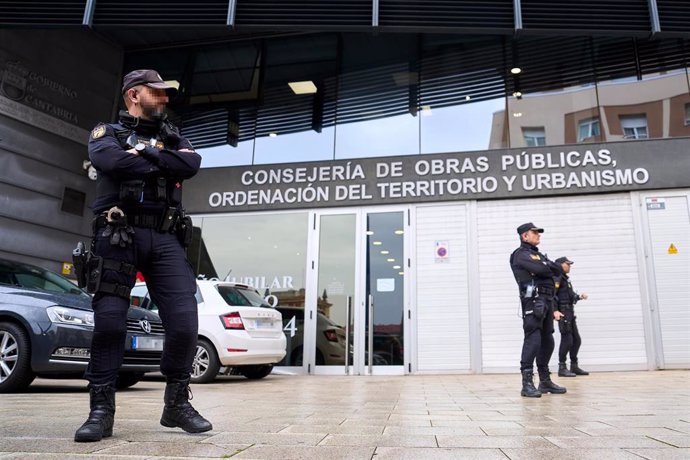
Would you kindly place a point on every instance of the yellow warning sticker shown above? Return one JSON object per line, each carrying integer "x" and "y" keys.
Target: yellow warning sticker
{"x": 67, "y": 268}
{"x": 672, "y": 249}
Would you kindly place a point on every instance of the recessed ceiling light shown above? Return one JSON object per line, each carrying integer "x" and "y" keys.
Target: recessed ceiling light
{"x": 174, "y": 83}
{"x": 517, "y": 114}
{"x": 401, "y": 273}
{"x": 515, "y": 70}
{"x": 517, "y": 94}
{"x": 426, "y": 111}
{"x": 467, "y": 98}
{"x": 397, "y": 267}
{"x": 303, "y": 87}
{"x": 369, "y": 232}
{"x": 390, "y": 260}
{"x": 377, "y": 243}
{"x": 398, "y": 232}
{"x": 272, "y": 134}
{"x": 384, "y": 252}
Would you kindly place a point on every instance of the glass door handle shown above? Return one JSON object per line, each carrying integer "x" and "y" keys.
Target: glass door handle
{"x": 348, "y": 316}
{"x": 371, "y": 333}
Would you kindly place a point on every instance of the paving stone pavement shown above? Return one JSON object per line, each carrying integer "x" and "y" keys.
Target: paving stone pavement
{"x": 607, "y": 415}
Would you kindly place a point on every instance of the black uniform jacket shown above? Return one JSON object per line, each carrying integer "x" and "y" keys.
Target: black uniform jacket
{"x": 161, "y": 159}
{"x": 567, "y": 297}
{"x": 529, "y": 264}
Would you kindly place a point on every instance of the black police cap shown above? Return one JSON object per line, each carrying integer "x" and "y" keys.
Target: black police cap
{"x": 149, "y": 78}
{"x": 561, "y": 260}
{"x": 527, "y": 227}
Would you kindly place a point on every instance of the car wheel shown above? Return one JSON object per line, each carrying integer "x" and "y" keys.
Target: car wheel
{"x": 15, "y": 359}
{"x": 256, "y": 372}
{"x": 128, "y": 379}
{"x": 206, "y": 364}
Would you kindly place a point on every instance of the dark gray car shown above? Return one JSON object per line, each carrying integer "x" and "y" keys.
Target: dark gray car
{"x": 46, "y": 324}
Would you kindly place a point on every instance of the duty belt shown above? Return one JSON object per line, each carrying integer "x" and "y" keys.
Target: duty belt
{"x": 543, "y": 290}
{"x": 144, "y": 220}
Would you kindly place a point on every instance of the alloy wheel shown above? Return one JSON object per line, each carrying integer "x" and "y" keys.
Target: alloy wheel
{"x": 8, "y": 354}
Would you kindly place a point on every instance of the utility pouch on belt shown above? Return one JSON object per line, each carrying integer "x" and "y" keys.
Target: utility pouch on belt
{"x": 565, "y": 326}
{"x": 185, "y": 231}
{"x": 132, "y": 191}
{"x": 79, "y": 258}
{"x": 538, "y": 308}
{"x": 169, "y": 220}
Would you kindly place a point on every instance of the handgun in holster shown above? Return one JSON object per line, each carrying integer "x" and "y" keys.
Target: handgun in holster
{"x": 79, "y": 259}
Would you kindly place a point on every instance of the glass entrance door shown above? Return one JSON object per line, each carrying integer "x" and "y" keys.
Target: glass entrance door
{"x": 358, "y": 320}
{"x": 385, "y": 293}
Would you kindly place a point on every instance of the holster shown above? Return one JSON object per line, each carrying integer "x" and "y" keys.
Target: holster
{"x": 185, "y": 231}
{"x": 565, "y": 326}
{"x": 79, "y": 259}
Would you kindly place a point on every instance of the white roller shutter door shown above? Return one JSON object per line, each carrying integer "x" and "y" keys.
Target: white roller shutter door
{"x": 668, "y": 219}
{"x": 597, "y": 233}
{"x": 442, "y": 303}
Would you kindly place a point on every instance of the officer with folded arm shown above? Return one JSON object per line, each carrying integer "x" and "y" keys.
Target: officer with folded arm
{"x": 140, "y": 224}
{"x": 567, "y": 326}
{"x": 536, "y": 277}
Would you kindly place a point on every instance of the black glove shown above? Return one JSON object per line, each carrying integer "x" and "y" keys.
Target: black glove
{"x": 169, "y": 133}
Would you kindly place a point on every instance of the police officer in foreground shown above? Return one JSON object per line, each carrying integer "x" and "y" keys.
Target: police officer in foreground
{"x": 570, "y": 336}
{"x": 140, "y": 225}
{"x": 536, "y": 277}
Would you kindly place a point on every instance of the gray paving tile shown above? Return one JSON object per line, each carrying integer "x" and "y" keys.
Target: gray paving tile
{"x": 564, "y": 454}
{"x": 420, "y": 453}
{"x": 662, "y": 454}
{"x": 588, "y": 442}
{"x": 306, "y": 453}
{"x": 493, "y": 442}
{"x": 384, "y": 440}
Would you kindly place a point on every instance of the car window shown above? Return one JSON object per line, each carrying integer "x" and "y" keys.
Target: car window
{"x": 36, "y": 278}
{"x": 241, "y": 297}
{"x": 139, "y": 297}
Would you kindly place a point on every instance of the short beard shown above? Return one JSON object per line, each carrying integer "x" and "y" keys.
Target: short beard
{"x": 154, "y": 113}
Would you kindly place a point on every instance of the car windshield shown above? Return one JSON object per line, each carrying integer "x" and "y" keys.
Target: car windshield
{"x": 28, "y": 276}
{"x": 241, "y": 297}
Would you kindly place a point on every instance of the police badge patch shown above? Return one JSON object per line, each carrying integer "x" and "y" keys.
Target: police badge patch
{"x": 98, "y": 132}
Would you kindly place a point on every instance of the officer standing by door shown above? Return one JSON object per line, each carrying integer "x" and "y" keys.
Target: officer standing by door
{"x": 536, "y": 277}
{"x": 140, "y": 225}
{"x": 567, "y": 326}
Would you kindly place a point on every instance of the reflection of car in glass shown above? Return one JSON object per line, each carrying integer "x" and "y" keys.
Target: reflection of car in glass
{"x": 238, "y": 330}
{"x": 330, "y": 338}
{"x": 46, "y": 324}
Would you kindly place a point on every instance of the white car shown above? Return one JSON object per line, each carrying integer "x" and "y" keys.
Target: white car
{"x": 238, "y": 330}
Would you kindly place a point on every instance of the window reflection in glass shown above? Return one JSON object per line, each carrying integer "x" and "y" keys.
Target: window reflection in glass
{"x": 302, "y": 146}
{"x": 462, "y": 128}
{"x": 336, "y": 287}
{"x": 650, "y": 108}
{"x": 396, "y": 135}
{"x": 267, "y": 252}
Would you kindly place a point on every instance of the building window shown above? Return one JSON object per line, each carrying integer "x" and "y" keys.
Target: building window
{"x": 634, "y": 126}
{"x": 588, "y": 128}
{"x": 534, "y": 137}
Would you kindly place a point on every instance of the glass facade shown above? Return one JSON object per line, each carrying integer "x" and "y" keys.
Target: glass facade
{"x": 431, "y": 96}
{"x": 267, "y": 252}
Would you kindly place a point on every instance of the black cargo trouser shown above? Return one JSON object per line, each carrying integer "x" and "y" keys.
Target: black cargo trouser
{"x": 570, "y": 336}
{"x": 538, "y": 341}
{"x": 172, "y": 286}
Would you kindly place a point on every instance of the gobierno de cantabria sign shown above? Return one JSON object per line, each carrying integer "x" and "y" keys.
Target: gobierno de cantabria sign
{"x": 540, "y": 171}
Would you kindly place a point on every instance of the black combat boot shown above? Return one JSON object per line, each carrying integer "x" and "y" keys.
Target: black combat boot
{"x": 564, "y": 372}
{"x": 528, "y": 389}
{"x": 547, "y": 386}
{"x": 99, "y": 425}
{"x": 576, "y": 370}
{"x": 178, "y": 411}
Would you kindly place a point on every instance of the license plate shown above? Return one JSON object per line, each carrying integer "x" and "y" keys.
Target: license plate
{"x": 147, "y": 343}
{"x": 264, "y": 324}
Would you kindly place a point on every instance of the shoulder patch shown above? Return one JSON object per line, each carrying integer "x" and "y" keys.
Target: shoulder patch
{"x": 535, "y": 256}
{"x": 98, "y": 132}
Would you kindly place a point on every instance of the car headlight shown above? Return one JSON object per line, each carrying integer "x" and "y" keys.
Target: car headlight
{"x": 66, "y": 315}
